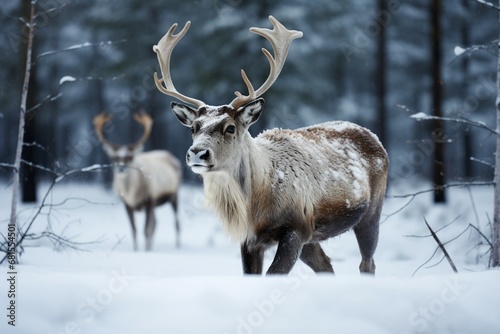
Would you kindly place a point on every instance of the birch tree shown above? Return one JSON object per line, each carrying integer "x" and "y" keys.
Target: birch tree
{"x": 496, "y": 198}
{"x": 20, "y": 136}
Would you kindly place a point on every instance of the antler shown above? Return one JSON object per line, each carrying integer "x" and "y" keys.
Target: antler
{"x": 280, "y": 39}
{"x": 141, "y": 118}
{"x": 99, "y": 122}
{"x": 146, "y": 121}
{"x": 164, "y": 51}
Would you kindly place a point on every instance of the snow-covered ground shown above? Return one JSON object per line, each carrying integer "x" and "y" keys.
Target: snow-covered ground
{"x": 199, "y": 288}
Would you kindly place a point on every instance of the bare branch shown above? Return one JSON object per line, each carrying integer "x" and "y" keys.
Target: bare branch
{"x": 25, "y": 233}
{"x": 49, "y": 98}
{"x": 488, "y": 4}
{"x": 8, "y": 166}
{"x": 79, "y": 46}
{"x": 440, "y": 244}
{"x": 481, "y": 234}
{"x": 489, "y": 48}
{"x": 423, "y": 264}
{"x": 40, "y": 167}
{"x": 430, "y": 235}
{"x": 424, "y": 117}
{"x": 44, "y": 149}
{"x": 482, "y": 162}
{"x": 52, "y": 10}
{"x": 453, "y": 185}
{"x": 389, "y": 215}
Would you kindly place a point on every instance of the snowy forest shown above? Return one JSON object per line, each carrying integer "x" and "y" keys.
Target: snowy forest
{"x": 421, "y": 75}
{"x": 109, "y": 53}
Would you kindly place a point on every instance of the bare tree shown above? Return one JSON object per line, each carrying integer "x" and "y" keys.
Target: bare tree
{"x": 495, "y": 258}
{"x": 380, "y": 78}
{"x": 495, "y": 240}
{"x": 437, "y": 97}
{"x": 20, "y": 135}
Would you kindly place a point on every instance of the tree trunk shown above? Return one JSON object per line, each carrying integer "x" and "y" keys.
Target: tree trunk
{"x": 437, "y": 96}
{"x": 28, "y": 173}
{"x": 496, "y": 198}
{"x": 22, "y": 114}
{"x": 465, "y": 65}
{"x": 381, "y": 77}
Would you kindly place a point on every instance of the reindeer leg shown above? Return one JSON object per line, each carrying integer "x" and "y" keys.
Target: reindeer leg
{"x": 252, "y": 258}
{"x": 177, "y": 225}
{"x": 289, "y": 248}
{"x": 130, "y": 213}
{"x": 366, "y": 232}
{"x": 314, "y": 256}
{"x": 149, "y": 228}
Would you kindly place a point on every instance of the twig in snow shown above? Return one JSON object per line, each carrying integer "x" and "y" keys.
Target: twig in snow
{"x": 440, "y": 244}
{"x": 482, "y": 234}
{"x": 473, "y": 206}
{"x": 25, "y": 234}
{"x": 429, "y": 235}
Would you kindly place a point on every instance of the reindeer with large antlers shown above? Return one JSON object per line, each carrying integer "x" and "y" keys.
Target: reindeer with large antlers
{"x": 143, "y": 180}
{"x": 293, "y": 188}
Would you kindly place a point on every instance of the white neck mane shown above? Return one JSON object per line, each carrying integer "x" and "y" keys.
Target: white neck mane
{"x": 228, "y": 197}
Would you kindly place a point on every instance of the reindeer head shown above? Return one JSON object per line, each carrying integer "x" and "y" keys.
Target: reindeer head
{"x": 122, "y": 155}
{"x": 218, "y": 130}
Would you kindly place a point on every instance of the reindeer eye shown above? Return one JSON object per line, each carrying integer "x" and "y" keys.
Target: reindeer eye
{"x": 195, "y": 127}
{"x": 231, "y": 129}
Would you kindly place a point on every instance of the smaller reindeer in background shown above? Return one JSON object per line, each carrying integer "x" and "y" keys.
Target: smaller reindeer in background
{"x": 143, "y": 180}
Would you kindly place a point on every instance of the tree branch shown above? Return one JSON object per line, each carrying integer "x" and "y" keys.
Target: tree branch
{"x": 453, "y": 185}
{"x": 424, "y": 117}
{"x": 481, "y": 234}
{"x": 488, "y": 4}
{"x": 52, "y": 10}
{"x": 79, "y": 46}
{"x": 482, "y": 162}
{"x": 22, "y": 235}
{"x": 20, "y": 134}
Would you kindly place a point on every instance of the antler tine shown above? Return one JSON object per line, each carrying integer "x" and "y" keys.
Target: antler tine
{"x": 280, "y": 39}
{"x": 146, "y": 121}
{"x": 164, "y": 51}
{"x": 99, "y": 122}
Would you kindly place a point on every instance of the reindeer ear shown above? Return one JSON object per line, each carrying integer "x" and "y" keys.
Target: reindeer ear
{"x": 186, "y": 115}
{"x": 250, "y": 112}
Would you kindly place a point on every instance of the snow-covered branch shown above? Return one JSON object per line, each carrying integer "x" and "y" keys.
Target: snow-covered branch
{"x": 459, "y": 51}
{"x": 49, "y": 98}
{"x": 2, "y": 164}
{"x": 424, "y": 117}
{"x": 488, "y": 4}
{"x": 482, "y": 162}
{"x": 79, "y": 46}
